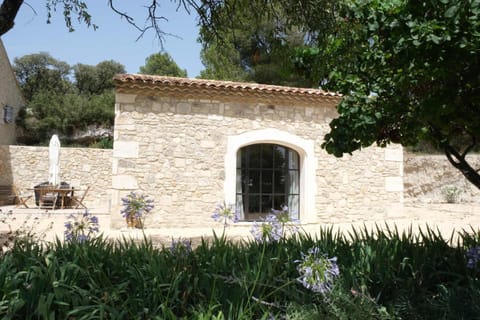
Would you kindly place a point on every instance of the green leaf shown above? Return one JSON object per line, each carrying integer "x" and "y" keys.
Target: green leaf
{"x": 452, "y": 11}
{"x": 435, "y": 39}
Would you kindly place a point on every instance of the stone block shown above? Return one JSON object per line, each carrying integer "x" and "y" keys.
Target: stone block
{"x": 207, "y": 144}
{"x": 215, "y": 117}
{"x": 124, "y": 182}
{"x": 125, "y": 149}
{"x": 394, "y": 184}
{"x": 179, "y": 162}
{"x": 184, "y": 108}
{"x": 123, "y": 119}
{"x": 125, "y": 98}
{"x": 394, "y": 154}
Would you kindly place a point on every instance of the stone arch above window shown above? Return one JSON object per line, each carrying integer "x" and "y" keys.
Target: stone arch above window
{"x": 307, "y": 165}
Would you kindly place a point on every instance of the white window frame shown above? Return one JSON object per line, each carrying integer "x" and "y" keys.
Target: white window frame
{"x": 308, "y": 164}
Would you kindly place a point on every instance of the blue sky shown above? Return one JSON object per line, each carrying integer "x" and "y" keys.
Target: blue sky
{"x": 115, "y": 39}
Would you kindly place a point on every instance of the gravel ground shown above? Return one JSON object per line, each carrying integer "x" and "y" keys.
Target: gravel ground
{"x": 446, "y": 217}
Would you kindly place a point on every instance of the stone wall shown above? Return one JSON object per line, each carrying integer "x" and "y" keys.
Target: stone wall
{"x": 346, "y": 195}
{"x": 174, "y": 150}
{"x": 10, "y": 95}
{"x": 427, "y": 176}
{"x": 80, "y": 167}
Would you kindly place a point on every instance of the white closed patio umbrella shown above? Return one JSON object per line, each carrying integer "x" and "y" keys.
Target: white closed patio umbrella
{"x": 54, "y": 156}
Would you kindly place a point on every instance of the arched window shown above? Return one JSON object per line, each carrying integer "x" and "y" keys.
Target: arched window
{"x": 268, "y": 177}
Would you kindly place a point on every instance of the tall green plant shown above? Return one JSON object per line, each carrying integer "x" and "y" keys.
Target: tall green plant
{"x": 384, "y": 274}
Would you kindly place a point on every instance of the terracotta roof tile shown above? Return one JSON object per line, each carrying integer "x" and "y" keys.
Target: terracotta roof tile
{"x": 200, "y": 88}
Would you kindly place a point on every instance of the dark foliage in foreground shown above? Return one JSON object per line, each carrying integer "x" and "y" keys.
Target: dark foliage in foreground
{"x": 383, "y": 275}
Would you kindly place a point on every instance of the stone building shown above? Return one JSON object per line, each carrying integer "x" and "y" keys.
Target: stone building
{"x": 11, "y": 99}
{"x": 191, "y": 144}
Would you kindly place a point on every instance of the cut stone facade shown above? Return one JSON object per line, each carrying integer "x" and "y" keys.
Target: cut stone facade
{"x": 176, "y": 140}
{"x": 11, "y": 99}
{"x": 424, "y": 178}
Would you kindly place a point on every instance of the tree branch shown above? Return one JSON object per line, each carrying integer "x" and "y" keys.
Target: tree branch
{"x": 152, "y": 21}
{"x": 8, "y": 12}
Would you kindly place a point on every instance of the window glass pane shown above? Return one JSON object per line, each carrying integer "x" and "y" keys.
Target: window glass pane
{"x": 267, "y": 156}
{"x": 254, "y": 181}
{"x": 267, "y": 181}
{"x": 253, "y": 204}
{"x": 293, "y": 161}
{"x": 294, "y": 182}
{"x": 244, "y": 182}
{"x": 279, "y": 181}
{"x": 253, "y": 159}
{"x": 267, "y": 203}
{"x": 280, "y": 153}
{"x": 8, "y": 114}
{"x": 268, "y": 176}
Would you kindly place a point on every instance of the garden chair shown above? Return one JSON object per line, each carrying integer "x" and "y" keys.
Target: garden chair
{"x": 20, "y": 198}
{"x": 78, "y": 201}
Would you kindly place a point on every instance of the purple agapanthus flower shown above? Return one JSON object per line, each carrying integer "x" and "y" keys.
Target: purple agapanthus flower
{"x": 473, "y": 256}
{"x": 181, "y": 246}
{"x": 288, "y": 223}
{"x": 275, "y": 226}
{"x": 268, "y": 230}
{"x": 317, "y": 272}
{"x": 81, "y": 227}
{"x": 225, "y": 214}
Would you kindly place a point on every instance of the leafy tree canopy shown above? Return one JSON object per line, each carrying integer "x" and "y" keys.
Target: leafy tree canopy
{"x": 408, "y": 70}
{"x": 249, "y": 43}
{"x": 40, "y": 72}
{"x": 62, "y": 104}
{"x": 409, "y": 73}
{"x": 96, "y": 79}
{"x": 162, "y": 64}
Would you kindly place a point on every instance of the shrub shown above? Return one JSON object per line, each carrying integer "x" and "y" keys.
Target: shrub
{"x": 384, "y": 274}
{"x": 451, "y": 194}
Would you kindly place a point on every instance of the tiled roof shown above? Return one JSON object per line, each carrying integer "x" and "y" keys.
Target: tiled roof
{"x": 214, "y": 89}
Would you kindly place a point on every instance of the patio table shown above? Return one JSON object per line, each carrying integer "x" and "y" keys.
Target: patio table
{"x": 47, "y": 194}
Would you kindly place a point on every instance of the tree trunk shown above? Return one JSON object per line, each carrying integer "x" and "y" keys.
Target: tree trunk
{"x": 459, "y": 162}
{"x": 8, "y": 12}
